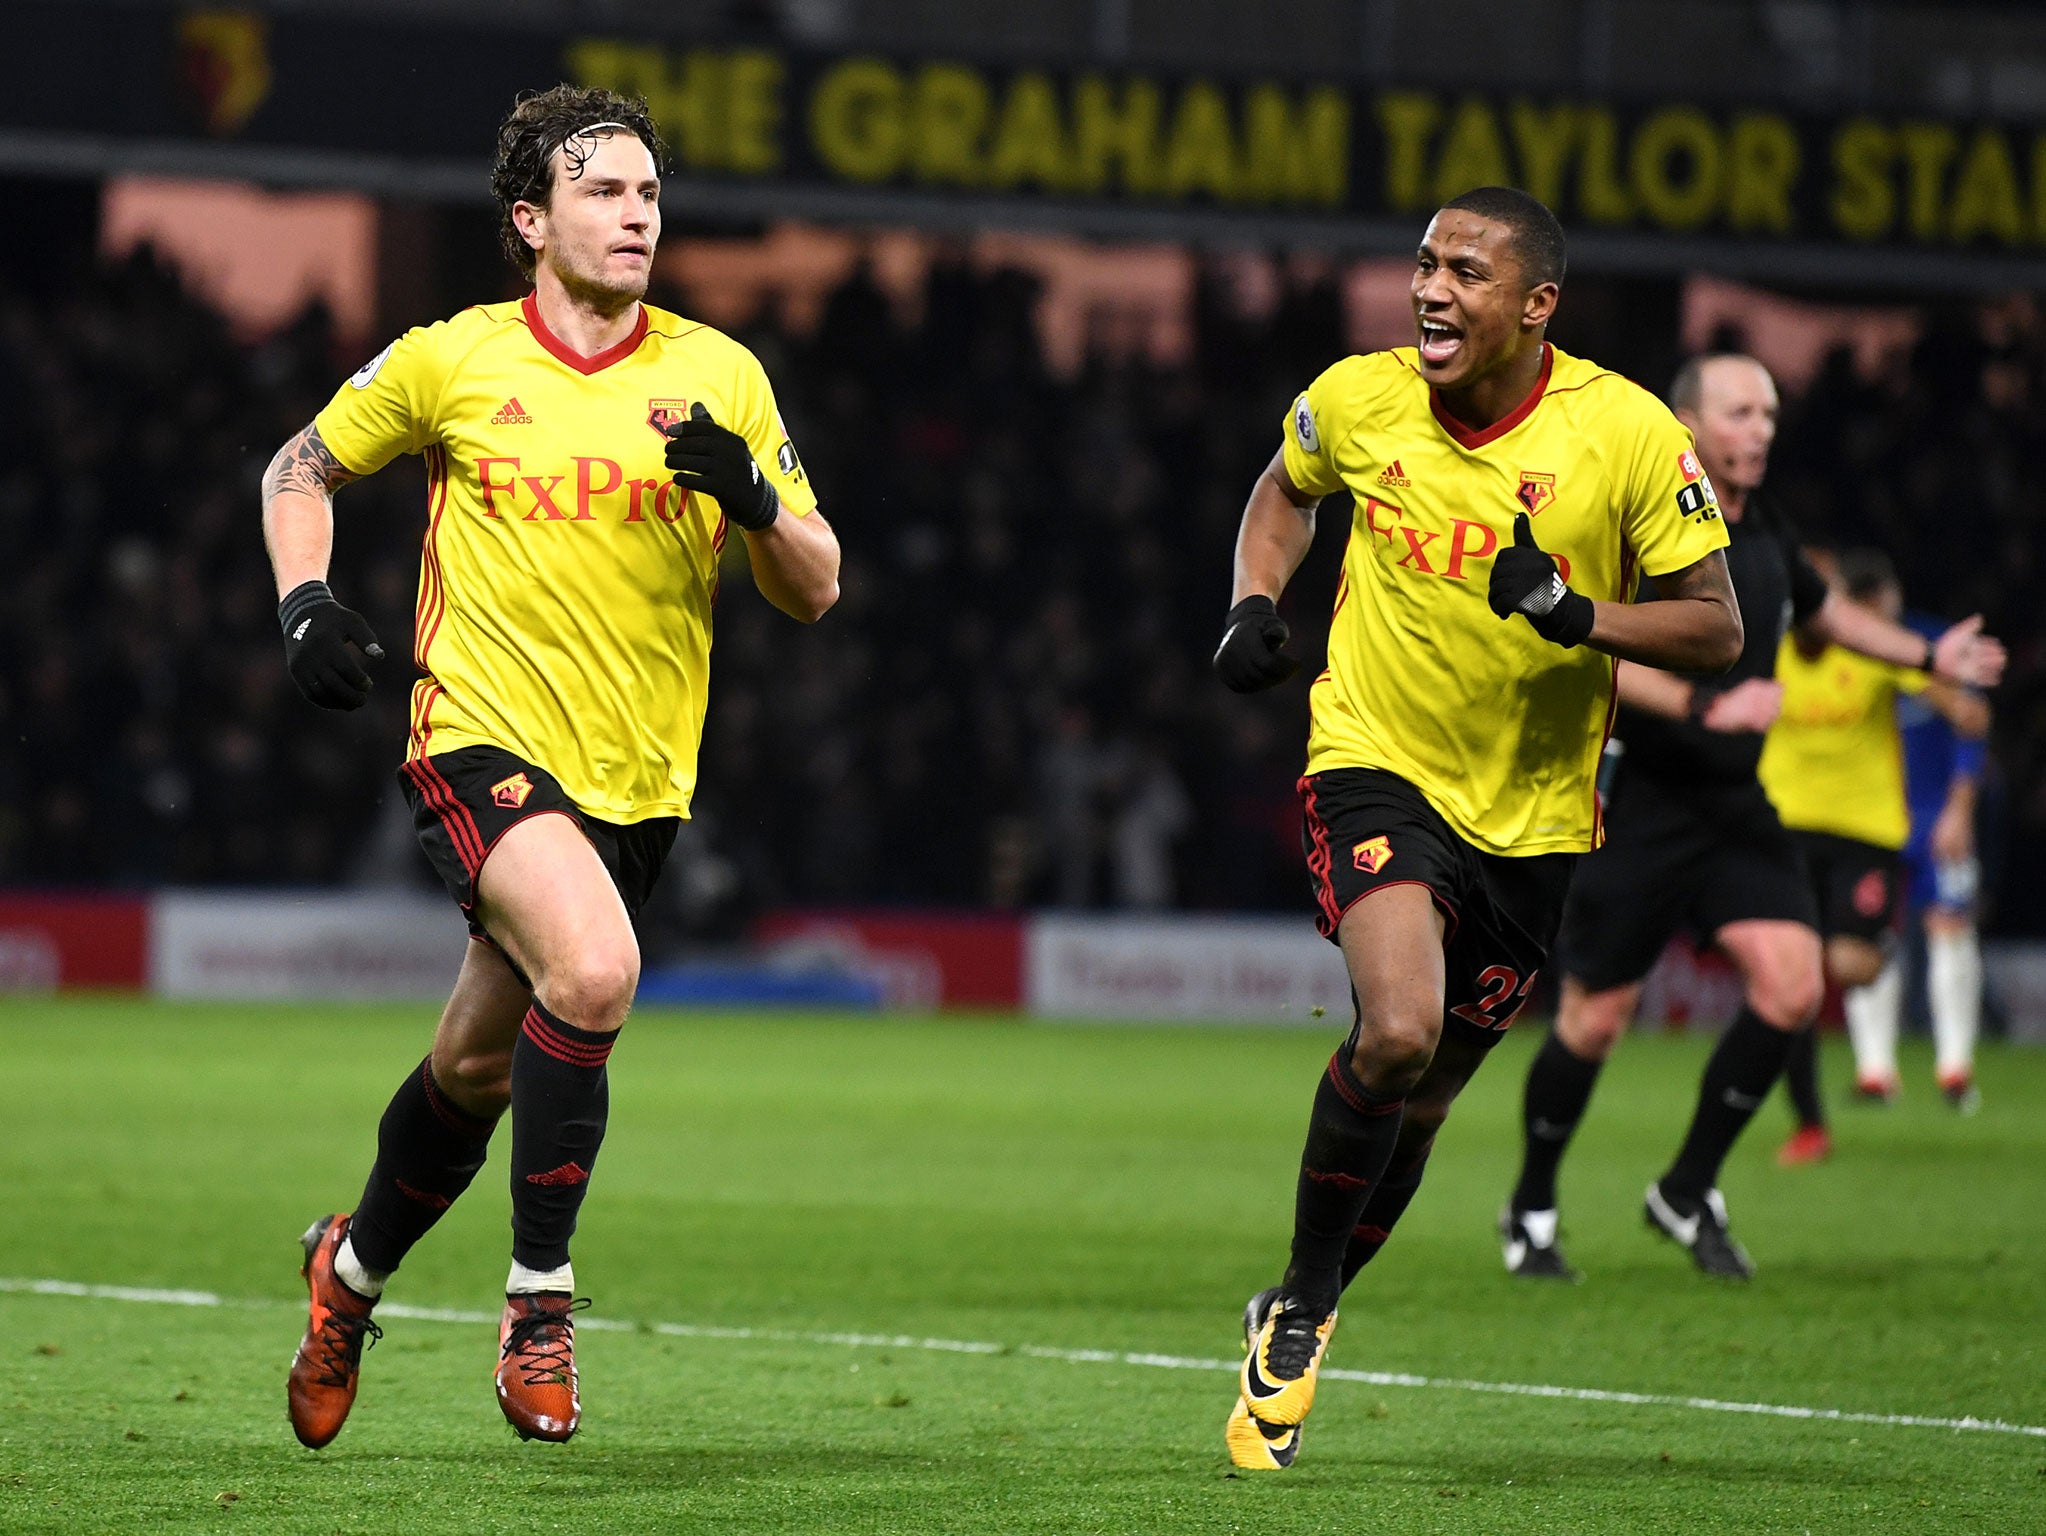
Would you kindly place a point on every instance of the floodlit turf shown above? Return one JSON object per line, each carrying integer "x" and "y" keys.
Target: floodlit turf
{"x": 1025, "y": 1185}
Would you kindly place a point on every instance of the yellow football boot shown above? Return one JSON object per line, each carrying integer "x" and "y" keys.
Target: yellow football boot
{"x": 1260, "y": 1447}
{"x": 1283, "y": 1357}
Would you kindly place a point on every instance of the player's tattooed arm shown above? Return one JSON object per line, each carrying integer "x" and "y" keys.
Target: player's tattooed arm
{"x": 1696, "y": 627}
{"x": 305, "y": 464}
{"x": 298, "y": 508}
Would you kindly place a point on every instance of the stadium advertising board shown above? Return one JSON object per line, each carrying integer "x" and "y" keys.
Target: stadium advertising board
{"x": 389, "y": 106}
{"x": 1267, "y": 970}
{"x": 913, "y": 959}
{"x": 348, "y": 944}
{"x": 50, "y": 941}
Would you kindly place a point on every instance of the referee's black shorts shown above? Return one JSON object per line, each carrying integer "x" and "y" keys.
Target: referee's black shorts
{"x": 1856, "y": 884}
{"x": 1677, "y": 855}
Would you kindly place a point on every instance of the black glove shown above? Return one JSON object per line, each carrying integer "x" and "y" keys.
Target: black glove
{"x": 1526, "y": 581}
{"x": 317, "y": 635}
{"x": 1249, "y": 657}
{"x": 716, "y": 461}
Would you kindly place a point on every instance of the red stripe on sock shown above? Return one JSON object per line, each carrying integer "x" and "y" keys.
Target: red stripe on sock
{"x": 1356, "y": 1100}
{"x": 577, "y": 1053}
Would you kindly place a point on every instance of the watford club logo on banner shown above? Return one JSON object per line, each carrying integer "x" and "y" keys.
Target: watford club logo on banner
{"x": 663, "y": 414}
{"x": 223, "y": 68}
{"x": 1536, "y": 491}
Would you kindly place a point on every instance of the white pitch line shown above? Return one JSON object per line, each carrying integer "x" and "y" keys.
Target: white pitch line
{"x": 184, "y": 1298}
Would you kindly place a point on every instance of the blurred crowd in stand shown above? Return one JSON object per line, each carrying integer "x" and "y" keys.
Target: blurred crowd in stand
{"x": 1011, "y": 705}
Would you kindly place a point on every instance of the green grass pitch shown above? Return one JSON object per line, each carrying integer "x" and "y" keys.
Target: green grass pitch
{"x": 1079, "y": 1188}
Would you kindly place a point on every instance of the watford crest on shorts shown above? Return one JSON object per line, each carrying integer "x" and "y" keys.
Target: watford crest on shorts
{"x": 511, "y": 793}
{"x": 1373, "y": 856}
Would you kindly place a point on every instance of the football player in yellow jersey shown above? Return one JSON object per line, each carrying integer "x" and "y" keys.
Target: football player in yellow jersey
{"x": 1506, "y": 495}
{"x": 1833, "y": 764}
{"x": 1693, "y": 842}
{"x": 586, "y": 454}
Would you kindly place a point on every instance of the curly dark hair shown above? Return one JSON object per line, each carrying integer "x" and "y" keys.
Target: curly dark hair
{"x": 541, "y": 122}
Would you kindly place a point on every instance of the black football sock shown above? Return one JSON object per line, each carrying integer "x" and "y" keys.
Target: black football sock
{"x": 428, "y": 1149}
{"x": 1743, "y": 1068}
{"x": 1383, "y": 1208}
{"x": 560, "y": 1100}
{"x": 1350, "y": 1139}
{"x": 1801, "y": 1077}
{"x": 1559, "y": 1084}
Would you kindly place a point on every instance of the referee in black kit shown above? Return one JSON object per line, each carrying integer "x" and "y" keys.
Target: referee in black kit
{"x": 1692, "y": 841}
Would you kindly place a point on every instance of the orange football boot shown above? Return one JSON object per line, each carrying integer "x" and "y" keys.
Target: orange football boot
{"x": 324, "y": 1372}
{"x": 1807, "y": 1144}
{"x": 536, "y": 1385}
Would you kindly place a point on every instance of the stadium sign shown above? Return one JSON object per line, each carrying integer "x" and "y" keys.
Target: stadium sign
{"x": 757, "y": 131}
{"x": 1144, "y": 139}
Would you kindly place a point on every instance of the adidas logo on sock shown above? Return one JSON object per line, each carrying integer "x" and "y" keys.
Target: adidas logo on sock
{"x": 566, "y": 1174}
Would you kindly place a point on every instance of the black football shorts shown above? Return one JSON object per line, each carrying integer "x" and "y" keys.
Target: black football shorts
{"x": 1856, "y": 884}
{"x": 1677, "y": 856}
{"x": 1366, "y": 829}
{"x": 465, "y": 800}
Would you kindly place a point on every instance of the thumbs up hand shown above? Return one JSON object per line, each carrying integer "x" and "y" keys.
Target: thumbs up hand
{"x": 1525, "y": 581}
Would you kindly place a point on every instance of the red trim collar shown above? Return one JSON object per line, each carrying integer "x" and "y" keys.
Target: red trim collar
{"x": 1473, "y": 437}
{"x": 556, "y": 347}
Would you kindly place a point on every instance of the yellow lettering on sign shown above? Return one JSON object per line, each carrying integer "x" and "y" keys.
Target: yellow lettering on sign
{"x": 1763, "y": 159}
{"x": 1864, "y": 198}
{"x": 1600, "y": 192}
{"x": 1111, "y": 135}
{"x": 719, "y": 110}
{"x": 2039, "y": 189}
{"x": 857, "y": 119}
{"x": 1408, "y": 118}
{"x": 1543, "y": 140}
{"x": 1030, "y": 142}
{"x": 1295, "y": 156}
{"x": 682, "y": 102}
{"x": 1676, "y": 200}
{"x": 1986, "y": 200}
{"x": 1473, "y": 154}
{"x": 753, "y": 108}
{"x": 1928, "y": 149}
{"x": 1200, "y": 154}
{"x": 950, "y": 117}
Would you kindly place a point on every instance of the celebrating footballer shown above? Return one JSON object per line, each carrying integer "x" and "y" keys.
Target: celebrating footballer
{"x": 1507, "y": 496}
{"x": 586, "y": 454}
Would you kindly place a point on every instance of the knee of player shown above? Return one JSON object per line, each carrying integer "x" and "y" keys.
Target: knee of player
{"x": 1856, "y": 965}
{"x": 1394, "y": 1046}
{"x": 1590, "y": 1032}
{"x": 1787, "y": 998}
{"x": 594, "y": 990}
{"x": 478, "y": 1081}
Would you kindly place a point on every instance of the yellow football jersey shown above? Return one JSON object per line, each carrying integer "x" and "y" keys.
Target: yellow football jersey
{"x": 566, "y": 586}
{"x": 1834, "y": 760}
{"x": 1497, "y": 727}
